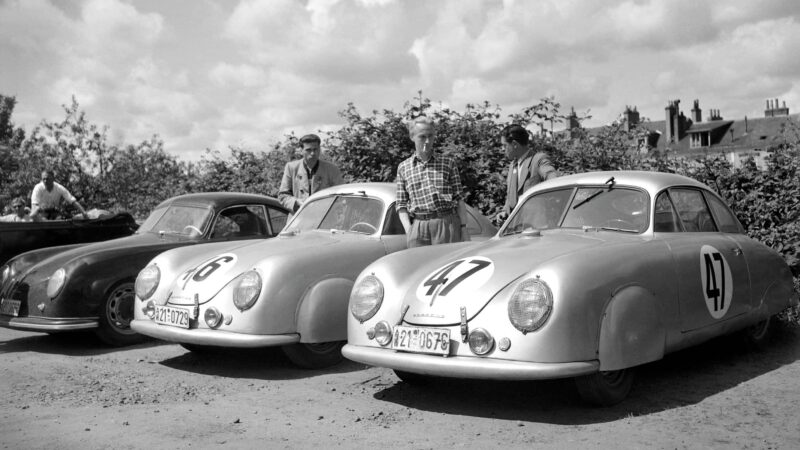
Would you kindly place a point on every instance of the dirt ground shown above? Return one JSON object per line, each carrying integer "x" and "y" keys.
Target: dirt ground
{"x": 70, "y": 391}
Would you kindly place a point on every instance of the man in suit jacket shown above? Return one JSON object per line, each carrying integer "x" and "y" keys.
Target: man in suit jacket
{"x": 306, "y": 176}
{"x": 527, "y": 168}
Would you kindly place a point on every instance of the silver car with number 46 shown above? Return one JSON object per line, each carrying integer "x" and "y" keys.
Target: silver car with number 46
{"x": 592, "y": 275}
{"x": 291, "y": 293}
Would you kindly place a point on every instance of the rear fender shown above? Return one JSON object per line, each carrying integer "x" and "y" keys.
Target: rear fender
{"x": 632, "y": 332}
{"x": 322, "y": 313}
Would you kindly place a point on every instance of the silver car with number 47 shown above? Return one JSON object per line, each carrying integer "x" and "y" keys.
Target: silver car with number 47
{"x": 592, "y": 275}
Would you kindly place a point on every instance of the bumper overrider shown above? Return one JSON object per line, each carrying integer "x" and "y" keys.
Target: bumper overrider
{"x": 48, "y": 324}
{"x": 467, "y": 367}
{"x": 217, "y": 338}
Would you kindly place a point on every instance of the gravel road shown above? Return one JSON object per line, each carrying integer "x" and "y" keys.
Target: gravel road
{"x": 70, "y": 391}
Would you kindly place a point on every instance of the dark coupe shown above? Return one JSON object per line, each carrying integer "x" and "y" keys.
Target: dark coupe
{"x": 90, "y": 286}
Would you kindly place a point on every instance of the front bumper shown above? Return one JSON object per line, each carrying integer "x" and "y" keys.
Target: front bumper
{"x": 204, "y": 336}
{"x": 467, "y": 367}
{"x": 48, "y": 324}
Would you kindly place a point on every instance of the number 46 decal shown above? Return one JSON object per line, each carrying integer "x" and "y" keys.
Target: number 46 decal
{"x": 715, "y": 274}
{"x": 461, "y": 276}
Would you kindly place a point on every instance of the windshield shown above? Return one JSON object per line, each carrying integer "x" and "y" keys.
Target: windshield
{"x": 178, "y": 219}
{"x": 353, "y": 213}
{"x": 615, "y": 208}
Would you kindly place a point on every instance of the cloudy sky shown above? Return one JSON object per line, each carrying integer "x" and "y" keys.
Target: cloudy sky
{"x": 214, "y": 73}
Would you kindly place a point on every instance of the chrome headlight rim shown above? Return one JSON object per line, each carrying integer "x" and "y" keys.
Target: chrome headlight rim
{"x": 56, "y": 282}
{"x": 247, "y": 289}
{"x": 488, "y": 341}
{"x": 366, "y": 298}
{"x": 147, "y": 282}
{"x": 383, "y": 333}
{"x": 541, "y": 306}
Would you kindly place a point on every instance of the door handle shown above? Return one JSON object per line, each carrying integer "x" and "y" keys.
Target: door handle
{"x": 737, "y": 251}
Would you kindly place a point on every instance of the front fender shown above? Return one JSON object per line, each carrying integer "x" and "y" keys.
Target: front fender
{"x": 322, "y": 312}
{"x": 631, "y": 332}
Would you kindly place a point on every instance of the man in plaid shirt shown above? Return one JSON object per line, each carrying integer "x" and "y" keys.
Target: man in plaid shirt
{"x": 429, "y": 201}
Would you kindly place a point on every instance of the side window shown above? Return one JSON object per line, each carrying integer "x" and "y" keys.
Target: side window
{"x": 240, "y": 221}
{"x": 692, "y": 210}
{"x": 392, "y": 225}
{"x": 725, "y": 219}
{"x": 665, "y": 220}
{"x": 473, "y": 227}
{"x": 277, "y": 219}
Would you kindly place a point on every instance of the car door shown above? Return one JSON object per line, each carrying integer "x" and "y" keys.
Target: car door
{"x": 712, "y": 274}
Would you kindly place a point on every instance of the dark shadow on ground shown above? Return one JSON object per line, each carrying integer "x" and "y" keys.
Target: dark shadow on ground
{"x": 683, "y": 378}
{"x": 261, "y": 363}
{"x": 74, "y": 343}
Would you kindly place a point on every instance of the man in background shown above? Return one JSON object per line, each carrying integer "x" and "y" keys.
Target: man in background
{"x": 48, "y": 199}
{"x": 19, "y": 212}
{"x": 306, "y": 176}
{"x": 527, "y": 169}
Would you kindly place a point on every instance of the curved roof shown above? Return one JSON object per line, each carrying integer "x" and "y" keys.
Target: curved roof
{"x": 651, "y": 181}
{"x": 384, "y": 191}
{"x": 219, "y": 200}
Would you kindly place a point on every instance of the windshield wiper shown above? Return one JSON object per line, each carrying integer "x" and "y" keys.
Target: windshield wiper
{"x": 610, "y": 182}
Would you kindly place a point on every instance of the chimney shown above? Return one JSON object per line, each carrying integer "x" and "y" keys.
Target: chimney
{"x": 572, "y": 120}
{"x": 697, "y": 113}
{"x": 671, "y": 124}
{"x": 774, "y": 109}
{"x": 631, "y": 117}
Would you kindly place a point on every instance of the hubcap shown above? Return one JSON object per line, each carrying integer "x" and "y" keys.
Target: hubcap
{"x": 119, "y": 308}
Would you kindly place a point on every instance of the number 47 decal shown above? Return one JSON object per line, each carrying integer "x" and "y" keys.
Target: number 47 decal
{"x": 713, "y": 290}
{"x": 439, "y": 283}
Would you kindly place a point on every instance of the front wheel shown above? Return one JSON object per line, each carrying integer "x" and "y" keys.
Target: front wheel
{"x": 314, "y": 356}
{"x": 605, "y": 388}
{"x": 116, "y": 315}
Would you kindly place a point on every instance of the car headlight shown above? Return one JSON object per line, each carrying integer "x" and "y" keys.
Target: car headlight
{"x": 147, "y": 281}
{"x": 246, "y": 291}
{"x": 530, "y": 305}
{"x": 366, "y": 298}
{"x": 383, "y": 333}
{"x": 56, "y": 282}
{"x": 480, "y": 341}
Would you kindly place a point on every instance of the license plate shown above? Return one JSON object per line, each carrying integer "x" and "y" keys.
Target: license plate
{"x": 435, "y": 341}
{"x": 176, "y": 317}
{"x": 9, "y": 307}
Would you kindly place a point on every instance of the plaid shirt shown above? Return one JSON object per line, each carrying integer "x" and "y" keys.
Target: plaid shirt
{"x": 426, "y": 187}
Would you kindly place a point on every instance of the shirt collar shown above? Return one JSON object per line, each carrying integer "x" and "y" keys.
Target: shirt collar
{"x": 524, "y": 156}
{"x": 311, "y": 170}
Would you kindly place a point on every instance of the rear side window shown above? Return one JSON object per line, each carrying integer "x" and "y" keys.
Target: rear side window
{"x": 726, "y": 221}
{"x": 277, "y": 220}
{"x": 692, "y": 210}
{"x": 665, "y": 219}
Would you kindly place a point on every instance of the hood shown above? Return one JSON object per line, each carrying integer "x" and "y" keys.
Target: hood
{"x": 471, "y": 277}
{"x": 308, "y": 255}
{"x": 31, "y": 265}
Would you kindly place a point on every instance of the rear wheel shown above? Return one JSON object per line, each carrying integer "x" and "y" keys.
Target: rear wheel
{"x": 314, "y": 356}
{"x": 116, "y": 315}
{"x": 757, "y": 336}
{"x": 605, "y": 388}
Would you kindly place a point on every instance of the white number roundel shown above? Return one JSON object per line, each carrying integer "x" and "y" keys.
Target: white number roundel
{"x": 211, "y": 270}
{"x": 715, "y": 273}
{"x": 454, "y": 279}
